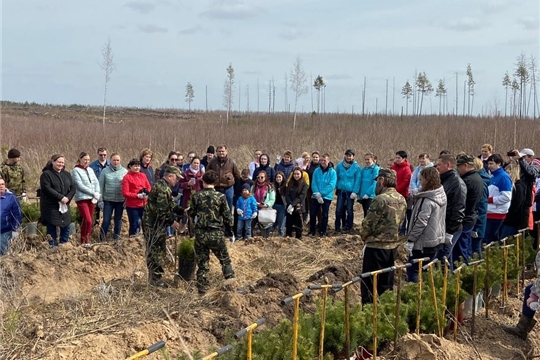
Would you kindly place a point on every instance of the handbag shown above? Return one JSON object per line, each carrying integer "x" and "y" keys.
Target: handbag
{"x": 267, "y": 217}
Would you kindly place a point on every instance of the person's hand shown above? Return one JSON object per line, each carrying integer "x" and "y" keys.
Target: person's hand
{"x": 14, "y": 234}
{"x": 529, "y": 301}
{"x": 23, "y": 197}
{"x": 192, "y": 181}
{"x": 97, "y": 195}
{"x": 240, "y": 212}
{"x": 278, "y": 159}
{"x": 175, "y": 225}
{"x": 100, "y": 205}
{"x": 448, "y": 238}
{"x": 474, "y": 234}
{"x": 290, "y": 209}
{"x": 409, "y": 245}
{"x": 232, "y": 239}
{"x": 64, "y": 200}
{"x": 320, "y": 200}
{"x": 365, "y": 197}
{"x": 254, "y": 216}
{"x": 354, "y": 196}
{"x": 141, "y": 195}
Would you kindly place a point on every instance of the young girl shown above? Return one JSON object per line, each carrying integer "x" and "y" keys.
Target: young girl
{"x": 295, "y": 197}
{"x": 246, "y": 208}
{"x": 279, "y": 204}
{"x": 265, "y": 196}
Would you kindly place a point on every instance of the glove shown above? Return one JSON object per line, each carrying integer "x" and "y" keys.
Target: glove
{"x": 448, "y": 238}
{"x": 365, "y": 197}
{"x": 364, "y": 250}
{"x": 100, "y": 205}
{"x": 290, "y": 209}
{"x": 278, "y": 159}
{"x": 141, "y": 195}
{"x": 232, "y": 239}
{"x": 97, "y": 195}
{"x": 240, "y": 212}
{"x": 317, "y": 195}
{"x": 94, "y": 201}
{"x": 354, "y": 196}
{"x": 23, "y": 197}
{"x": 254, "y": 216}
{"x": 14, "y": 234}
{"x": 320, "y": 200}
{"x": 474, "y": 234}
{"x": 409, "y": 247}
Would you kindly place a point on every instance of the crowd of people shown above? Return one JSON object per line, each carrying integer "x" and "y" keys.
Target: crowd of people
{"x": 445, "y": 208}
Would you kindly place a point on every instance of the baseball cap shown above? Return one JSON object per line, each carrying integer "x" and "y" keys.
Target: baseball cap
{"x": 465, "y": 159}
{"x": 173, "y": 170}
{"x": 349, "y": 152}
{"x": 526, "y": 151}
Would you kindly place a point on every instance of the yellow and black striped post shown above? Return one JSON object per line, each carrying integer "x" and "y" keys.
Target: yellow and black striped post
{"x": 149, "y": 350}
{"x": 249, "y": 331}
{"x": 296, "y": 299}
{"x": 429, "y": 267}
{"x": 218, "y": 352}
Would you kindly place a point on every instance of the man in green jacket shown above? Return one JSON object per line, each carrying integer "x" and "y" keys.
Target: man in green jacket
{"x": 159, "y": 213}
{"x": 13, "y": 174}
{"x": 213, "y": 214}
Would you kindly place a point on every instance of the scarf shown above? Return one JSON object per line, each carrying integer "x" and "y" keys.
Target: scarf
{"x": 347, "y": 164}
{"x": 260, "y": 192}
{"x": 192, "y": 170}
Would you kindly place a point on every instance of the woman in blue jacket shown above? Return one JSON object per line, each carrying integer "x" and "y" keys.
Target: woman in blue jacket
{"x": 368, "y": 174}
{"x": 10, "y": 216}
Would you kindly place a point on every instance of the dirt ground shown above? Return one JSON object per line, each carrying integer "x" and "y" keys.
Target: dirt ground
{"x": 80, "y": 303}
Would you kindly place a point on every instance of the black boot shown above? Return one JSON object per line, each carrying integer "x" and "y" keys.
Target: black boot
{"x": 522, "y": 329}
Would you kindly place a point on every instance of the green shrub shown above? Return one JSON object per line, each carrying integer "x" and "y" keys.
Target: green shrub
{"x": 186, "y": 249}
{"x": 31, "y": 212}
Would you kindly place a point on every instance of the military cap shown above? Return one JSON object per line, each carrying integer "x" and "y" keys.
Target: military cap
{"x": 173, "y": 170}
{"x": 465, "y": 159}
{"x": 387, "y": 173}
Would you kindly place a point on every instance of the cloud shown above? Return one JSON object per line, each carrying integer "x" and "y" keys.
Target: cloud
{"x": 151, "y": 29}
{"x": 140, "y": 6}
{"x": 191, "y": 30}
{"x": 529, "y": 23}
{"x": 492, "y": 6}
{"x": 230, "y": 10}
{"x": 466, "y": 24}
{"x": 291, "y": 33}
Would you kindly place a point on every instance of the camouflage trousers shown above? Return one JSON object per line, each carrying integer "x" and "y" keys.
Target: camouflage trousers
{"x": 156, "y": 249}
{"x": 206, "y": 241}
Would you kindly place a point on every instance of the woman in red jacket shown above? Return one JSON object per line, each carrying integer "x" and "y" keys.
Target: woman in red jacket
{"x": 402, "y": 167}
{"x": 135, "y": 189}
{"x": 191, "y": 181}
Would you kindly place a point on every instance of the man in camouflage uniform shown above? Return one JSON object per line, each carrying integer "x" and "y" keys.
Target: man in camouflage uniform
{"x": 380, "y": 233}
{"x": 13, "y": 174}
{"x": 159, "y": 213}
{"x": 213, "y": 213}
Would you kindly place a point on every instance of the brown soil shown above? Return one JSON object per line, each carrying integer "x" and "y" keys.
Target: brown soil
{"x": 78, "y": 303}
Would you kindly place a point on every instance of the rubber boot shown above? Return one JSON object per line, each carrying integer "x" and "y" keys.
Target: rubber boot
{"x": 228, "y": 272}
{"x": 522, "y": 329}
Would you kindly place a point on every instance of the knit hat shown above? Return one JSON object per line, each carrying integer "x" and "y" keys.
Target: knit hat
{"x": 246, "y": 187}
{"x": 349, "y": 152}
{"x": 13, "y": 153}
{"x": 211, "y": 150}
{"x": 387, "y": 173}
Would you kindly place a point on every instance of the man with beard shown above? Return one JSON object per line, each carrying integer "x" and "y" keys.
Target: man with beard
{"x": 380, "y": 233}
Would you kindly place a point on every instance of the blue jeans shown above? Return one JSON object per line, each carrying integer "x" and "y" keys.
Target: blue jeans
{"x": 64, "y": 234}
{"x": 135, "y": 218}
{"x": 344, "y": 204}
{"x": 507, "y": 230}
{"x": 243, "y": 224}
{"x": 476, "y": 246}
{"x": 280, "y": 219}
{"x": 229, "y": 194}
{"x": 412, "y": 272}
{"x": 108, "y": 208}
{"x": 463, "y": 246}
{"x": 315, "y": 206}
{"x": 526, "y": 310}
{"x": 493, "y": 227}
{"x": 447, "y": 250}
{"x": 5, "y": 239}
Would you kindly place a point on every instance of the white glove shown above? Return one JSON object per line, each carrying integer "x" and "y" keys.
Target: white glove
{"x": 354, "y": 196}
{"x": 278, "y": 159}
{"x": 97, "y": 195}
{"x": 409, "y": 247}
{"x": 23, "y": 197}
{"x": 254, "y": 216}
{"x": 320, "y": 200}
{"x": 413, "y": 192}
{"x": 240, "y": 212}
{"x": 14, "y": 234}
{"x": 364, "y": 250}
{"x": 317, "y": 195}
{"x": 448, "y": 238}
{"x": 94, "y": 201}
{"x": 232, "y": 239}
{"x": 365, "y": 197}
{"x": 474, "y": 234}
{"x": 290, "y": 209}
{"x": 141, "y": 196}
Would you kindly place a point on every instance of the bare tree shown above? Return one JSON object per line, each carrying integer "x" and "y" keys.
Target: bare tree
{"x": 108, "y": 67}
{"x": 298, "y": 84}
{"x": 247, "y": 98}
{"x": 522, "y": 74}
{"x": 364, "y": 96}
{"x": 424, "y": 87}
{"x": 285, "y": 91}
{"x": 190, "y": 94}
{"x": 506, "y": 82}
{"x": 228, "y": 90}
{"x": 440, "y": 92}
{"x": 470, "y": 90}
{"x": 515, "y": 89}
{"x": 532, "y": 92}
{"x": 407, "y": 92}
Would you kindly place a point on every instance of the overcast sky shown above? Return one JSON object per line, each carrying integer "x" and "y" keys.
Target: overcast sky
{"x": 51, "y": 49}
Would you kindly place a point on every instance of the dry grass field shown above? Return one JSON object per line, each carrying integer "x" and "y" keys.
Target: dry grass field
{"x": 82, "y": 303}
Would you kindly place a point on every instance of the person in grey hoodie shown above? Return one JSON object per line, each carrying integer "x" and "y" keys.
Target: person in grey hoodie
{"x": 110, "y": 183}
{"x": 426, "y": 230}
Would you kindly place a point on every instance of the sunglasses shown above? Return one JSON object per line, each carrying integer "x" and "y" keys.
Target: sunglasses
{"x": 173, "y": 159}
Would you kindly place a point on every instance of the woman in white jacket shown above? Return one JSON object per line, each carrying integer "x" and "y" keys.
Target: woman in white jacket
{"x": 426, "y": 229}
{"x": 87, "y": 194}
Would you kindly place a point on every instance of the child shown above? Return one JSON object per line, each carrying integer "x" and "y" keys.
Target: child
{"x": 238, "y": 186}
{"x": 246, "y": 208}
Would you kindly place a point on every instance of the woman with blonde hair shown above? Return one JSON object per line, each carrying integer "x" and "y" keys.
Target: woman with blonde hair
{"x": 87, "y": 194}
{"x": 518, "y": 214}
{"x": 146, "y": 167}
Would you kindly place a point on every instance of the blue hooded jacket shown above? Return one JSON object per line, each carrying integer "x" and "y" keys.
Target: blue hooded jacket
{"x": 348, "y": 179}
{"x": 248, "y": 206}
{"x": 10, "y": 212}
{"x": 481, "y": 208}
{"x": 324, "y": 182}
{"x": 367, "y": 181}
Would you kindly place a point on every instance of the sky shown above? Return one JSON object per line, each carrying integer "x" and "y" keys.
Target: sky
{"x": 52, "y": 50}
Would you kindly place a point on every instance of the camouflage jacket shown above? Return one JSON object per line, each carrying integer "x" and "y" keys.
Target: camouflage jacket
{"x": 13, "y": 175}
{"x": 211, "y": 209}
{"x": 383, "y": 220}
{"x": 161, "y": 207}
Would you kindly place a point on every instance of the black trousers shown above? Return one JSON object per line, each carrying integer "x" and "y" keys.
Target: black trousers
{"x": 293, "y": 222}
{"x": 377, "y": 259}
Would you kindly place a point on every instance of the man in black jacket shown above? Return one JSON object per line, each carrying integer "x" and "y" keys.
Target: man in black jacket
{"x": 475, "y": 185}
{"x": 528, "y": 173}
{"x": 456, "y": 194}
